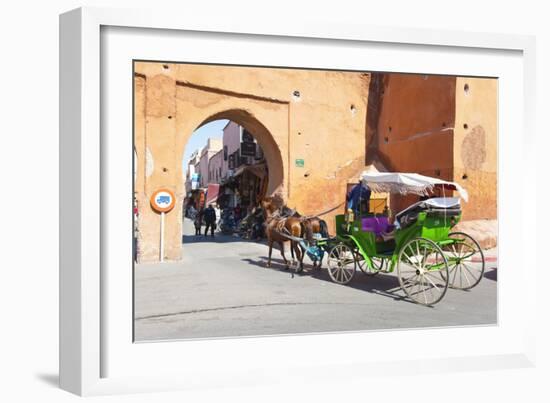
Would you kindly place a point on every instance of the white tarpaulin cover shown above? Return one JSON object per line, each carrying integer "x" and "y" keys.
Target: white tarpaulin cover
{"x": 437, "y": 202}
{"x": 443, "y": 202}
{"x": 404, "y": 183}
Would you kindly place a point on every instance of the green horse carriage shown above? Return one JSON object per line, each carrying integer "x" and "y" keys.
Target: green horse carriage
{"x": 420, "y": 244}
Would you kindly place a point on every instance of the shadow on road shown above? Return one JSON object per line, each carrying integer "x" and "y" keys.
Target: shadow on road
{"x": 381, "y": 284}
{"x": 277, "y": 264}
{"x": 491, "y": 274}
{"x": 217, "y": 238}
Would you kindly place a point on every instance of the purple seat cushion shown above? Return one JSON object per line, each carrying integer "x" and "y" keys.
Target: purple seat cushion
{"x": 377, "y": 225}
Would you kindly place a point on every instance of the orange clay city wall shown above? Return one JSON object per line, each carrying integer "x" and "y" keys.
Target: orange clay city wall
{"x": 319, "y": 117}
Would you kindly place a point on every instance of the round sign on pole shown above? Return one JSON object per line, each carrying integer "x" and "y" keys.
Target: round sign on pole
{"x": 163, "y": 200}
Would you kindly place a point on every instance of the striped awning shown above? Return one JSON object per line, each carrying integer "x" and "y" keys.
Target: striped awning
{"x": 212, "y": 193}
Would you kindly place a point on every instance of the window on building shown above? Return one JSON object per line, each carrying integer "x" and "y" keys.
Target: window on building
{"x": 247, "y": 137}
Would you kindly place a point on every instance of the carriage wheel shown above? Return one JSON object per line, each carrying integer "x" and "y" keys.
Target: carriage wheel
{"x": 422, "y": 271}
{"x": 377, "y": 262}
{"x": 341, "y": 264}
{"x": 466, "y": 261}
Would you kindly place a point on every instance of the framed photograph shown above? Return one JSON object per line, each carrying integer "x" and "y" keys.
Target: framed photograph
{"x": 235, "y": 201}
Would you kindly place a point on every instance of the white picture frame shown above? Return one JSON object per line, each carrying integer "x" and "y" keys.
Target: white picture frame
{"x": 90, "y": 343}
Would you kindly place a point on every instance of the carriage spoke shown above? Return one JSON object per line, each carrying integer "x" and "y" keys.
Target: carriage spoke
{"x": 463, "y": 266}
{"x": 470, "y": 269}
{"x": 344, "y": 275}
{"x": 411, "y": 262}
{"x": 409, "y": 259}
{"x": 409, "y": 279}
{"x": 424, "y": 256}
{"x": 455, "y": 253}
{"x": 456, "y": 270}
{"x": 467, "y": 267}
{"x": 432, "y": 283}
{"x": 417, "y": 277}
{"x": 432, "y": 276}
{"x": 424, "y": 290}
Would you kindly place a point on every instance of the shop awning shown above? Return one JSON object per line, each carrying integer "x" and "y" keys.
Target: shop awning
{"x": 212, "y": 193}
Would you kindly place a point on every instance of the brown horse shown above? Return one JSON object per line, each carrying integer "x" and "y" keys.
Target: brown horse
{"x": 277, "y": 224}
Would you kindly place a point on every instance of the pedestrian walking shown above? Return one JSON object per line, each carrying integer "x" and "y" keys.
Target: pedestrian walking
{"x": 198, "y": 222}
{"x": 210, "y": 220}
{"x": 218, "y": 215}
{"x": 237, "y": 213}
{"x": 191, "y": 212}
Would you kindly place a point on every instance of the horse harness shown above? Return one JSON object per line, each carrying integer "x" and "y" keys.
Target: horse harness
{"x": 280, "y": 224}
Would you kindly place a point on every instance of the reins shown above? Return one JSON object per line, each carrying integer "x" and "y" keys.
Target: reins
{"x": 324, "y": 212}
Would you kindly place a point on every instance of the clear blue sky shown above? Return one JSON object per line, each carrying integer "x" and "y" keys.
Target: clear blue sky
{"x": 199, "y": 138}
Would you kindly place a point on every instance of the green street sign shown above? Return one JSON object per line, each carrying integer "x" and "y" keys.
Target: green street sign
{"x": 300, "y": 163}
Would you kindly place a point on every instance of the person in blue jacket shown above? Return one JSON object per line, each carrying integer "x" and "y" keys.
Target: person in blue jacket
{"x": 358, "y": 194}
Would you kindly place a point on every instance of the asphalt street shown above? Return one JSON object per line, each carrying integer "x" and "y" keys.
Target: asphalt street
{"x": 222, "y": 288}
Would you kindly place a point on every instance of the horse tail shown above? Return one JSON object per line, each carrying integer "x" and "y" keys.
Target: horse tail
{"x": 323, "y": 227}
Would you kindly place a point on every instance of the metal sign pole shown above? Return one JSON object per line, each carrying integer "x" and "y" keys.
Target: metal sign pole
{"x": 162, "y": 237}
{"x": 162, "y": 201}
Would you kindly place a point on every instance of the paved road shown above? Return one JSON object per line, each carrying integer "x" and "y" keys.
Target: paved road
{"x": 222, "y": 288}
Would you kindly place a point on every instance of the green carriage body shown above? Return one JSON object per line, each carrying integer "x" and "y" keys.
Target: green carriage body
{"x": 434, "y": 226}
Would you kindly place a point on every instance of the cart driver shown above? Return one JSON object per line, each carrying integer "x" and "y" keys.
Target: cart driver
{"x": 357, "y": 201}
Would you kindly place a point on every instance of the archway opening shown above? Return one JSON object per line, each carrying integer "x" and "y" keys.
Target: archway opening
{"x": 230, "y": 161}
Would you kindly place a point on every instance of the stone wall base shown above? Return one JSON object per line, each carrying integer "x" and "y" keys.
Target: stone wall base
{"x": 485, "y": 232}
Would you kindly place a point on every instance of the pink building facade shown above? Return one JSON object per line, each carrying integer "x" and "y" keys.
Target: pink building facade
{"x": 213, "y": 146}
{"x": 231, "y": 143}
{"x": 215, "y": 167}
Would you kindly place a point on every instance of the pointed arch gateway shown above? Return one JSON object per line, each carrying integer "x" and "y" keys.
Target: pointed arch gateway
{"x": 267, "y": 119}
{"x": 167, "y": 112}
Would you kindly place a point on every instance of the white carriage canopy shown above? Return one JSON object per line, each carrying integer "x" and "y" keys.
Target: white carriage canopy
{"x": 408, "y": 183}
